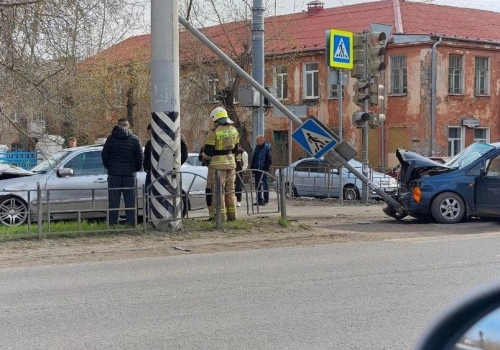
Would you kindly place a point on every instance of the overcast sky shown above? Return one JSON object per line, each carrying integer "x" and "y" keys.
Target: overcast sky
{"x": 289, "y": 6}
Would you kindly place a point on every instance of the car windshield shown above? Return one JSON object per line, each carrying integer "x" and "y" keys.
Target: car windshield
{"x": 50, "y": 162}
{"x": 469, "y": 155}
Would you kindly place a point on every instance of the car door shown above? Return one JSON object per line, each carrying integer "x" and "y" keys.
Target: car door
{"x": 306, "y": 176}
{"x": 85, "y": 190}
{"x": 487, "y": 189}
{"x": 325, "y": 180}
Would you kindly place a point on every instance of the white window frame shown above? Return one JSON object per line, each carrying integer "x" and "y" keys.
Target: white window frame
{"x": 456, "y": 75}
{"x": 481, "y": 77}
{"x": 213, "y": 84}
{"x": 399, "y": 72}
{"x": 452, "y": 141}
{"x": 280, "y": 77}
{"x": 311, "y": 75}
{"x": 481, "y": 139}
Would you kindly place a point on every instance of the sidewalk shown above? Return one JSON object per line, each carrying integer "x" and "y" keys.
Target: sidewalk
{"x": 306, "y": 207}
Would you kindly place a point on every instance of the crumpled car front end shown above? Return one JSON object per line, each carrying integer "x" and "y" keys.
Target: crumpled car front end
{"x": 413, "y": 169}
{"x": 8, "y": 171}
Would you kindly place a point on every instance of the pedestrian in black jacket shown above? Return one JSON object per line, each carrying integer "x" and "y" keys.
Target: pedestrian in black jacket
{"x": 122, "y": 156}
{"x": 261, "y": 161}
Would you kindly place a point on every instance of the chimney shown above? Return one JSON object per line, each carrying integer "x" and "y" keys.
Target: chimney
{"x": 314, "y": 6}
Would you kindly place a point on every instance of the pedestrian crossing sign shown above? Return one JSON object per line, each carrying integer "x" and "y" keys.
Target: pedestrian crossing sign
{"x": 314, "y": 137}
{"x": 340, "y": 49}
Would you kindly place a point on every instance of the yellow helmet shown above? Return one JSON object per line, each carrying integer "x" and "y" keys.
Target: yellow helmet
{"x": 218, "y": 113}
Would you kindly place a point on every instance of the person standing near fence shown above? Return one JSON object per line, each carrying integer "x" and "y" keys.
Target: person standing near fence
{"x": 241, "y": 164}
{"x": 71, "y": 142}
{"x": 220, "y": 148}
{"x": 261, "y": 160}
{"x": 122, "y": 156}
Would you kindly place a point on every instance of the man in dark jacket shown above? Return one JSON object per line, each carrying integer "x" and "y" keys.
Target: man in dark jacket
{"x": 122, "y": 156}
{"x": 261, "y": 160}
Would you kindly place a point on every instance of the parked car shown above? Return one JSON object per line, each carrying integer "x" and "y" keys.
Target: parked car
{"x": 468, "y": 185}
{"x": 192, "y": 159}
{"x": 76, "y": 180}
{"x": 313, "y": 177}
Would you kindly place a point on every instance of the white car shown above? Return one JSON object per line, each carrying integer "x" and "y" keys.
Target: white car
{"x": 311, "y": 177}
{"x": 75, "y": 180}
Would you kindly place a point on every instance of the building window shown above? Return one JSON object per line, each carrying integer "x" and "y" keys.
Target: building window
{"x": 456, "y": 75}
{"x": 455, "y": 140}
{"x": 213, "y": 84}
{"x": 311, "y": 81}
{"x": 482, "y": 135}
{"x": 399, "y": 80}
{"x": 230, "y": 82}
{"x": 118, "y": 94}
{"x": 281, "y": 82}
{"x": 482, "y": 76}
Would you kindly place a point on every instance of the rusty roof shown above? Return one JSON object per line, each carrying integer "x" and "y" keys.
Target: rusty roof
{"x": 306, "y": 31}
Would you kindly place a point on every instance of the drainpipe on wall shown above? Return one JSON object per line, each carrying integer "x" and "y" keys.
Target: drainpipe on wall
{"x": 433, "y": 96}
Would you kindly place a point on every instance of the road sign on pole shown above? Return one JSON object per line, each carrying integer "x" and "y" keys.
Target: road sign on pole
{"x": 313, "y": 137}
{"x": 341, "y": 49}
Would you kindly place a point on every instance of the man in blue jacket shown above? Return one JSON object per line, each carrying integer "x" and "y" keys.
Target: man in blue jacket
{"x": 261, "y": 160}
{"x": 122, "y": 156}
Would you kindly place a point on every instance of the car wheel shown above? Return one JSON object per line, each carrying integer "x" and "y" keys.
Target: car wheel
{"x": 13, "y": 211}
{"x": 290, "y": 191}
{"x": 448, "y": 208}
{"x": 351, "y": 193}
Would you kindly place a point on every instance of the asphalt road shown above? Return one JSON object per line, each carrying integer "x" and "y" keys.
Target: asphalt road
{"x": 373, "y": 295}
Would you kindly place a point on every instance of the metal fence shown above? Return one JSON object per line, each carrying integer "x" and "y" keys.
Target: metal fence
{"x": 81, "y": 205}
{"x": 25, "y": 160}
{"x": 325, "y": 181}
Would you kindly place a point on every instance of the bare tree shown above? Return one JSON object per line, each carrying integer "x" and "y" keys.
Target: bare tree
{"x": 41, "y": 43}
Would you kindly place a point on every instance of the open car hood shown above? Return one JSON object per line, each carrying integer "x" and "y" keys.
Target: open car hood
{"x": 8, "y": 171}
{"x": 413, "y": 165}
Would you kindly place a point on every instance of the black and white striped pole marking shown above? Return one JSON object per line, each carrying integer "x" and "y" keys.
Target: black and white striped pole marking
{"x": 165, "y": 159}
{"x": 165, "y": 119}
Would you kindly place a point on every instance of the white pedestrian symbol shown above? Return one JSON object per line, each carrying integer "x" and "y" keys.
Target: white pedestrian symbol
{"x": 341, "y": 51}
{"x": 316, "y": 141}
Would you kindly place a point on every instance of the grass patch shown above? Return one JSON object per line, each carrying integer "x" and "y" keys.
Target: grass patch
{"x": 191, "y": 229}
{"x": 63, "y": 229}
{"x": 284, "y": 222}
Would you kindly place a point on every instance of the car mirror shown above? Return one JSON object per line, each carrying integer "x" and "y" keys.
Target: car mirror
{"x": 65, "y": 172}
{"x": 472, "y": 323}
{"x": 483, "y": 172}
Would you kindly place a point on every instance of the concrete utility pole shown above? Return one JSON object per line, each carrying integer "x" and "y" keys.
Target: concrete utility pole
{"x": 365, "y": 195}
{"x": 165, "y": 118}
{"x": 258, "y": 65}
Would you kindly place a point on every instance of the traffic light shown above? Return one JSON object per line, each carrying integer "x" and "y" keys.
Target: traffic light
{"x": 359, "y": 119}
{"x": 376, "y": 92}
{"x": 375, "y": 47}
{"x": 375, "y": 119}
{"x": 360, "y": 92}
{"x": 358, "y": 70}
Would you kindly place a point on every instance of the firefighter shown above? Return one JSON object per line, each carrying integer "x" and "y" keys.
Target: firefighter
{"x": 219, "y": 150}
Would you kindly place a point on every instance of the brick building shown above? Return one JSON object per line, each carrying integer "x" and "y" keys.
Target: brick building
{"x": 442, "y": 82}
